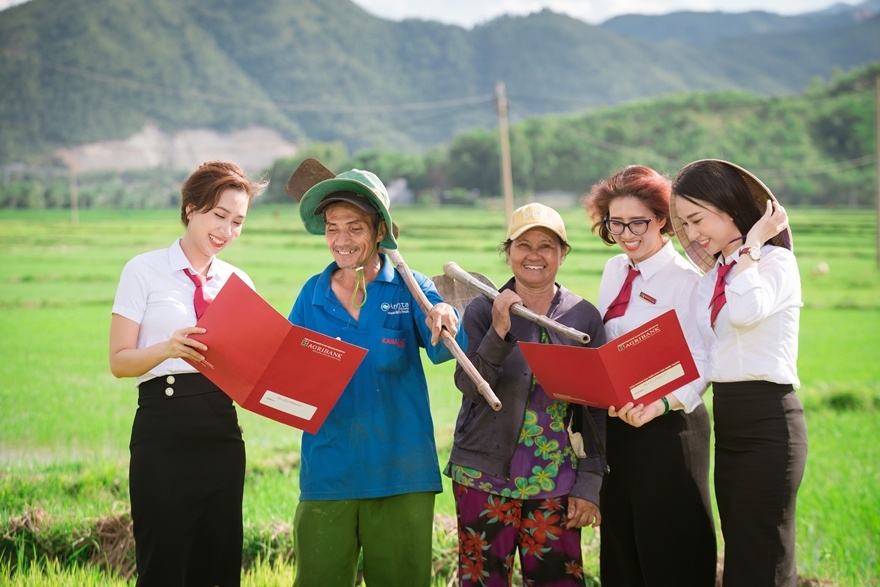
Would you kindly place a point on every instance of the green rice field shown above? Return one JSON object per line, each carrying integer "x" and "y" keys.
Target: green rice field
{"x": 65, "y": 420}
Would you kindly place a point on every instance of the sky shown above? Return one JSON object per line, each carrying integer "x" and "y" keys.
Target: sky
{"x": 468, "y": 13}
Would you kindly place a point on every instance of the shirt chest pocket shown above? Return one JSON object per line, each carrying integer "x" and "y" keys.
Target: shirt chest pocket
{"x": 391, "y": 353}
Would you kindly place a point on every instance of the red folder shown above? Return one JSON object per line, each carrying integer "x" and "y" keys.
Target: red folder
{"x": 641, "y": 366}
{"x": 269, "y": 366}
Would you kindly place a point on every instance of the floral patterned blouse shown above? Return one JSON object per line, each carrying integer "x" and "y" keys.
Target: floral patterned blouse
{"x": 543, "y": 464}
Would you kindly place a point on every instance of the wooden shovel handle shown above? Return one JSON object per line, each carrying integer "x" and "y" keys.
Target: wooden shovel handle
{"x": 457, "y": 273}
{"x": 445, "y": 336}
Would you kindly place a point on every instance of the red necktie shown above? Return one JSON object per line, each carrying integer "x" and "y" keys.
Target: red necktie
{"x": 618, "y": 306}
{"x": 719, "y": 298}
{"x": 200, "y": 299}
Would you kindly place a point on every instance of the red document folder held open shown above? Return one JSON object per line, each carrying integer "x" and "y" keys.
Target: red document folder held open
{"x": 269, "y": 366}
{"x": 641, "y": 366}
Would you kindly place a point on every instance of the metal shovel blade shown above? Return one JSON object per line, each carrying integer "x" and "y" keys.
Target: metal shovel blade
{"x": 456, "y": 293}
{"x": 310, "y": 173}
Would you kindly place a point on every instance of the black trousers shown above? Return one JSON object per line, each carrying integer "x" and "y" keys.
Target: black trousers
{"x": 657, "y": 524}
{"x": 186, "y": 482}
{"x": 760, "y": 455}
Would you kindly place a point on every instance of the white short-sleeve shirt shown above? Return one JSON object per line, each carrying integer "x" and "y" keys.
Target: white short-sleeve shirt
{"x": 155, "y": 292}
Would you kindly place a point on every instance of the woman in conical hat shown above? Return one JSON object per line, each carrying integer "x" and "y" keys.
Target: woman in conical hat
{"x": 748, "y": 308}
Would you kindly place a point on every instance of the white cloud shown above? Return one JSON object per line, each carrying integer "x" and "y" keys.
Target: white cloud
{"x": 7, "y": 3}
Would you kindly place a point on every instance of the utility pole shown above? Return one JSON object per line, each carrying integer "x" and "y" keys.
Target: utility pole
{"x": 504, "y": 135}
{"x": 877, "y": 149}
{"x": 70, "y": 161}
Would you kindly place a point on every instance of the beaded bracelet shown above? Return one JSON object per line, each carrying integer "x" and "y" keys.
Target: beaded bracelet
{"x": 665, "y": 405}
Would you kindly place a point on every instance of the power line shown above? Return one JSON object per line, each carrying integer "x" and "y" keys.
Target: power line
{"x": 837, "y": 166}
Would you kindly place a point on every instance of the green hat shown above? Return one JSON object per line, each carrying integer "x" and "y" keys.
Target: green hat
{"x": 360, "y": 182}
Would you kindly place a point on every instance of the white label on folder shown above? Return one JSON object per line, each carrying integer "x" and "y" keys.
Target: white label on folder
{"x": 671, "y": 373}
{"x": 288, "y": 405}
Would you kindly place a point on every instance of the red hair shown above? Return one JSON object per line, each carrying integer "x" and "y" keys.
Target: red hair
{"x": 648, "y": 186}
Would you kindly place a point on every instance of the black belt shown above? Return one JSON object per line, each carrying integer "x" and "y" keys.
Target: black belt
{"x": 176, "y": 385}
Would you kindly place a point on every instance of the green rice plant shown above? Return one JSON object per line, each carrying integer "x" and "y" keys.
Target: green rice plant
{"x": 51, "y": 574}
{"x": 66, "y": 420}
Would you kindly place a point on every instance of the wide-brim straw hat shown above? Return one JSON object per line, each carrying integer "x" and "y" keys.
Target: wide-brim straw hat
{"x": 760, "y": 192}
{"x": 363, "y": 183}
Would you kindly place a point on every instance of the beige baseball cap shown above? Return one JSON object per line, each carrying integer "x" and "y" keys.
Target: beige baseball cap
{"x": 535, "y": 215}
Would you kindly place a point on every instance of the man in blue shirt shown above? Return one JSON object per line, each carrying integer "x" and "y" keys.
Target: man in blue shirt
{"x": 369, "y": 476}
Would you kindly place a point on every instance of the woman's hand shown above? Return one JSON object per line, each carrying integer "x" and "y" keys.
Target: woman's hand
{"x": 638, "y": 415}
{"x": 501, "y": 311}
{"x": 180, "y": 346}
{"x": 582, "y": 513}
{"x": 441, "y": 316}
{"x": 773, "y": 221}
{"x": 126, "y": 360}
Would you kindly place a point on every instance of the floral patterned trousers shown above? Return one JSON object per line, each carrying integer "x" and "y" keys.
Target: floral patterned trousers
{"x": 491, "y": 528}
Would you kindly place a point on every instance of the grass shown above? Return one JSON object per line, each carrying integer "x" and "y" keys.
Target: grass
{"x": 66, "y": 420}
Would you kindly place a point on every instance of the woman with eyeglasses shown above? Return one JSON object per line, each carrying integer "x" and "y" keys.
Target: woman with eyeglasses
{"x": 657, "y": 525}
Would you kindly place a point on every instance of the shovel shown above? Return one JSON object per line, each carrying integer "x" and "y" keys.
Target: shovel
{"x": 311, "y": 172}
{"x": 457, "y": 292}
{"x": 484, "y": 285}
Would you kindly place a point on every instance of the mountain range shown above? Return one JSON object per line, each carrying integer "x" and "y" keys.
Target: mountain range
{"x": 82, "y": 71}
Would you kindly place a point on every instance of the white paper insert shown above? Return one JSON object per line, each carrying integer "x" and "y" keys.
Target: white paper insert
{"x": 288, "y": 405}
{"x": 671, "y": 373}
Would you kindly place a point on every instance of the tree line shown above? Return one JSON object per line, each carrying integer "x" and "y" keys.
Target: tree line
{"x": 814, "y": 149}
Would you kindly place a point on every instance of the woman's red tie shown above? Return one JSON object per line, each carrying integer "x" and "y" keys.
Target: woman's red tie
{"x": 200, "y": 299}
{"x": 618, "y": 306}
{"x": 719, "y": 298}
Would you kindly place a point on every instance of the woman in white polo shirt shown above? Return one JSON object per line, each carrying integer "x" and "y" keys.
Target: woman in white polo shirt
{"x": 186, "y": 473}
{"x": 658, "y": 453}
{"x": 748, "y": 308}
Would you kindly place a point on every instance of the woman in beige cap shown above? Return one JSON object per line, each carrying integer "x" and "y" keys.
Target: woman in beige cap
{"x": 748, "y": 308}
{"x": 518, "y": 482}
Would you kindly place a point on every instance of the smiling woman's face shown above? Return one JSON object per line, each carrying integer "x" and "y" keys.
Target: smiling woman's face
{"x": 211, "y": 231}
{"x": 535, "y": 256}
{"x": 707, "y": 226}
{"x": 637, "y": 247}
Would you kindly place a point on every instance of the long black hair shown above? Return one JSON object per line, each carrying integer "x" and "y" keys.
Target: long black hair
{"x": 714, "y": 182}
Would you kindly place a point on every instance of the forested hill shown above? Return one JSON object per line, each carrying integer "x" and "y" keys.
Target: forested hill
{"x": 78, "y": 71}
{"x": 706, "y": 28}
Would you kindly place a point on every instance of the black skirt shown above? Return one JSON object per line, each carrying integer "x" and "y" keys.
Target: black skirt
{"x": 186, "y": 482}
{"x": 760, "y": 455}
{"x": 657, "y": 523}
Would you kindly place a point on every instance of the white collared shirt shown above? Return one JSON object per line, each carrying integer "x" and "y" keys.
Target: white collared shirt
{"x": 155, "y": 292}
{"x": 755, "y": 337}
{"x": 666, "y": 281}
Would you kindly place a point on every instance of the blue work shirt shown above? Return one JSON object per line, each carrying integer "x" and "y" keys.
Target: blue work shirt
{"x": 378, "y": 439}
